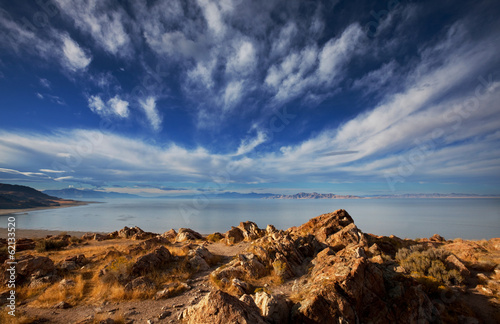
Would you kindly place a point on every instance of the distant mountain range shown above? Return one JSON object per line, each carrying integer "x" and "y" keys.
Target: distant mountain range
{"x": 314, "y": 195}
{"x": 91, "y": 194}
{"x": 17, "y": 197}
{"x": 223, "y": 195}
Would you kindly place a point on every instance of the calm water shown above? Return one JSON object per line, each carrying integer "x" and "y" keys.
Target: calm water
{"x": 411, "y": 218}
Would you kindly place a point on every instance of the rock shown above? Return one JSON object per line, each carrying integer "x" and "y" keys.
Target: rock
{"x": 457, "y": 264}
{"x": 93, "y": 236}
{"x": 154, "y": 241}
{"x": 250, "y": 231}
{"x": 252, "y": 266}
{"x": 270, "y": 229}
{"x": 437, "y": 238}
{"x": 155, "y": 260}
{"x": 172, "y": 290}
{"x": 198, "y": 263}
{"x": 164, "y": 315}
{"x": 323, "y": 226}
{"x": 187, "y": 234}
{"x": 62, "y": 305}
{"x": 171, "y": 234}
{"x": 135, "y": 233}
{"x": 219, "y": 308}
{"x": 140, "y": 284}
{"x": 23, "y": 244}
{"x": 33, "y": 267}
{"x": 202, "y": 252}
{"x": 241, "y": 286}
{"x": 274, "y": 308}
{"x": 234, "y": 235}
{"x": 66, "y": 283}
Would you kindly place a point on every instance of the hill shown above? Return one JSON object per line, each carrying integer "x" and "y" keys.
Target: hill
{"x": 18, "y": 197}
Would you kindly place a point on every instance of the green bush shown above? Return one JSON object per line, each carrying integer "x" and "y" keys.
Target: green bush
{"x": 49, "y": 245}
{"x": 428, "y": 265}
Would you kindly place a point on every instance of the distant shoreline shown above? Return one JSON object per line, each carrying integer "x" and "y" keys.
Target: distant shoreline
{"x": 63, "y": 204}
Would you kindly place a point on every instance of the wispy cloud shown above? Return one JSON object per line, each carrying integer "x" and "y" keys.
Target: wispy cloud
{"x": 76, "y": 58}
{"x": 149, "y": 107}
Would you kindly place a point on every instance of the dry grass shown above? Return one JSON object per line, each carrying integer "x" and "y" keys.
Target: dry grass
{"x": 117, "y": 318}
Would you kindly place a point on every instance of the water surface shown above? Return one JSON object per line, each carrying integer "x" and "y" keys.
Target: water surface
{"x": 411, "y": 218}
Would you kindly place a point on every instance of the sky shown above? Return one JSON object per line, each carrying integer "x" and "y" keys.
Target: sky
{"x": 175, "y": 97}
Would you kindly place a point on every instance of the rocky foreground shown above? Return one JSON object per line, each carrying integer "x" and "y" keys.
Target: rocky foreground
{"x": 324, "y": 271}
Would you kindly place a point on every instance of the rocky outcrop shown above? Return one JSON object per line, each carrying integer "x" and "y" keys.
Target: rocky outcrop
{"x": 187, "y": 234}
{"x": 140, "y": 284}
{"x": 274, "y": 308}
{"x": 221, "y": 308}
{"x": 33, "y": 270}
{"x": 73, "y": 262}
{"x": 155, "y": 260}
{"x": 171, "y": 234}
{"x": 246, "y": 231}
{"x": 135, "y": 233}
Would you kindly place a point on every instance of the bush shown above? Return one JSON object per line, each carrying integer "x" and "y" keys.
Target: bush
{"x": 428, "y": 266}
{"x": 50, "y": 245}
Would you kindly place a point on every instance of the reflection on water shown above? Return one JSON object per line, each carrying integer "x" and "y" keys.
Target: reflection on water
{"x": 466, "y": 218}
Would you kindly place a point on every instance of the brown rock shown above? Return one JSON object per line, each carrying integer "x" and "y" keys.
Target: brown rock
{"x": 34, "y": 267}
{"x": 171, "y": 234}
{"x": 274, "y": 308}
{"x": 187, "y": 234}
{"x": 457, "y": 264}
{"x": 437, "y": 238}
{"x": 157, "y": 259}
{"x": 234, "y": 235}
{"x": 141, "y": 284}
{"x": 250, "y": 231}
{"x": 220, "y": 308}
{"x": 324, "y": 225}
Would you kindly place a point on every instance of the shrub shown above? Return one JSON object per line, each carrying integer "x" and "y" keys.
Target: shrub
{"x": 428, "y": 266}
{"x": 215, "y": 237}
{"x": 45, "y": 245}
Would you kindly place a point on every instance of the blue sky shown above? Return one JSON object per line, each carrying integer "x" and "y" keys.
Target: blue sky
{"x": 170, "y": 97}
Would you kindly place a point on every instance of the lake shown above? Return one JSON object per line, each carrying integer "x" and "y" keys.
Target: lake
{"x": 411, "y": 218}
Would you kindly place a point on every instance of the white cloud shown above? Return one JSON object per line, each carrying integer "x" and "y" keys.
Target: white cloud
{"x": 103, "y": 24}
{"x": 248, "y": 145}
{"x": 75, "y": 58}
{"x": 114, "y": 107}
{"x": 213, "y": 17}
{"x": 149, "y": 107}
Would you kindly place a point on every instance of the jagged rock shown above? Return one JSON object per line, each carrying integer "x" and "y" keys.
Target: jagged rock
{"x": 73, "y": 262}
{"x": 187, "y": 234}
{"x": 270, "y": 229}
{"x": 202, "y": 252}
{"x": 157, "y": 259}
{"x": 141, "y": 283}
{"x": 250, "y": 231}
{"x": 457, "y": 264}
{"x": 347, "y": 287}
{"x": 134, "y": 233}
{"x": 324, "y": 225}
{"x": 154, "y": 241}
{"x": 241, "y": 286}
{"x": 437, "y": 238}
{"x": 34, "y": 267}
{"x": 234, "y": 235}
{"x": 252, "y": 266}
{"x": 93, "y": 236}
{"x": 274, "y": 308}
{"x": 171, "y": 234}
{"x": 220, "y": 308}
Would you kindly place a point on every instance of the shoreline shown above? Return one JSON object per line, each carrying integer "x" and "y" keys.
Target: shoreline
{"x": 63, "y": 204}
{"x": 40, "y": 233}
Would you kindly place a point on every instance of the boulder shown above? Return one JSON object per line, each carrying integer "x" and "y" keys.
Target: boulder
{"x": 187, "y": 234}
{"x": 250, "y": 231}
{"x": 171, "y": 234}
{"x": 197, "y": 263}
{"x": 33, "y": 267}
{"x": 234, "y": 235}
{"x": 274, "y": 308}
{"x": 155, "y": 260}
{"x": 221, "y": 308}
